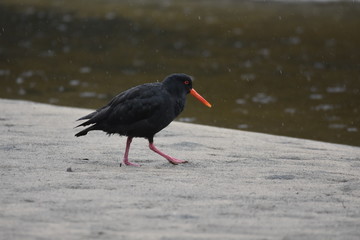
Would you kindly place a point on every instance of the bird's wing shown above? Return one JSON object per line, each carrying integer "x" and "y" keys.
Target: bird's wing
{"x": 134, "y": 105}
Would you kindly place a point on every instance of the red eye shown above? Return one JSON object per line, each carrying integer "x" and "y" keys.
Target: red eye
{"x": 186, "y": 82}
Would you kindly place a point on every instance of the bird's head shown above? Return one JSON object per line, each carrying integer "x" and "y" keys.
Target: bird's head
{"x": 180, "y": 82}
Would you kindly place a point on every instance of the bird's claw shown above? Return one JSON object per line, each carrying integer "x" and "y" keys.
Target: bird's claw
{"x": 127, "y": 163}
{"x": 176, "y": 161}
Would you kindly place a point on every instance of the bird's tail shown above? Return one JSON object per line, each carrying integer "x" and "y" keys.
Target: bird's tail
{"x": 85, "y": 131}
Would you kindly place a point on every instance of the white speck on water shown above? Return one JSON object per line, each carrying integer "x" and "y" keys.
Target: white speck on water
{"x": 74, "y": 82}
{"x": 290, "y": 110}
{"x": 352, "y": 129}
{"x": 187, "y": 119}
{"x": 27, "y": 74}
{"x": 294, "y": 40}
{"x": 53, "y": 100}
{"x": 337, "y": 126}
{"x": 19, "y": 80}
{"x": 316, "y": 96}
{"x": 88, "y": 94}
{"x": 206, "y": 53}
{"x": 241, "y": 101}
{"x": 313, "y": 89}
{"x": 248, "y": 64}
{"x": 263, "y": 98}
{"x": 336, "y": 89}
{"x": 4, "y": 72}
{"x": 62, "y": 27}
{"x": 67, "y": 18}
{"x": 237, "y": 31}
{"x": 265, "y": 52}
{"x": 85, "y": 69}
{"x": 22, "y": 91}
{"x": 243, "y": 126}
{"x": 319, "y": 65}
{"x": 247, "y": 76}
{"x": 324, "y": 107}
{"x": 110, "y": 16}
{"x": 238, "y": 44}
{"x": 330, "y": 42}
{"x": 299, "y": 30}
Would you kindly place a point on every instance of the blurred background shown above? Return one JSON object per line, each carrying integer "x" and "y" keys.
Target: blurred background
{"x": 285, "y": 68}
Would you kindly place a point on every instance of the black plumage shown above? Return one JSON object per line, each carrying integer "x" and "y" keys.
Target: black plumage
{"x": 143, "y": 111}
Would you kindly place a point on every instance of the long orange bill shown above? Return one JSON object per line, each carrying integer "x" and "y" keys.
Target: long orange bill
{"x": 199, "y": 97}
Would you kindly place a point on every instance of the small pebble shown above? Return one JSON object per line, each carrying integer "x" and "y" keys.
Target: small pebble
{"x": 69, "y": 169}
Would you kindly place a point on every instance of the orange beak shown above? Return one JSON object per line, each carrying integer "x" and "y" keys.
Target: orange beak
{"x": 200, "y": 98}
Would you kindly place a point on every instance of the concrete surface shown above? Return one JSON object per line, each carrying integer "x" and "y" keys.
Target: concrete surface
{"x": 237, "y": 185}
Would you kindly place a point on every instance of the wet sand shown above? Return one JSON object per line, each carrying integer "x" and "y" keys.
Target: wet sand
{"x": 237, "y": 184}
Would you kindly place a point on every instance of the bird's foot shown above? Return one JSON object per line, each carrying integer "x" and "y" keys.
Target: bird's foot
{"x": 127, "y": 163}
{"x": 169, "y": 158}
{"x": 175, "y": 161}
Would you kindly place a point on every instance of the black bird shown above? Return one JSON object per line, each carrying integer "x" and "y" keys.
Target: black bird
{"x": 142, "y": 111}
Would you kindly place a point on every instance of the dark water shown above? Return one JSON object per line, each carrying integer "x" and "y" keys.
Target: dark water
{"x": 282, "y": 68}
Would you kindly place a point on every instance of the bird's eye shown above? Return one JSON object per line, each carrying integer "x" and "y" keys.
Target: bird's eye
{"x": 186, "y": 82}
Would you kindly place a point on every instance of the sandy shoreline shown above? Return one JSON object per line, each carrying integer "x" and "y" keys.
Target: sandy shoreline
{"x": 237, "y": 185}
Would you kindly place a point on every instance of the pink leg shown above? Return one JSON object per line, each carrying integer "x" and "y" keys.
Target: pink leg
{"x": 170, "y": 159}
{"x": 126, "y": 155}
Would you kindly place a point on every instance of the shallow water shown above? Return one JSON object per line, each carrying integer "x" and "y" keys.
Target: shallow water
{"x": 281, "y": 68}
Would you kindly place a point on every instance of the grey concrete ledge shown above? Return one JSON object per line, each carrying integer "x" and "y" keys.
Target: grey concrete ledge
{"x": 237, "y": 185}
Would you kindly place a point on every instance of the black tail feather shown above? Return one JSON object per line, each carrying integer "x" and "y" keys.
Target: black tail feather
{"x": 89, "y": 116}
{"x": 85, "y": 131}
